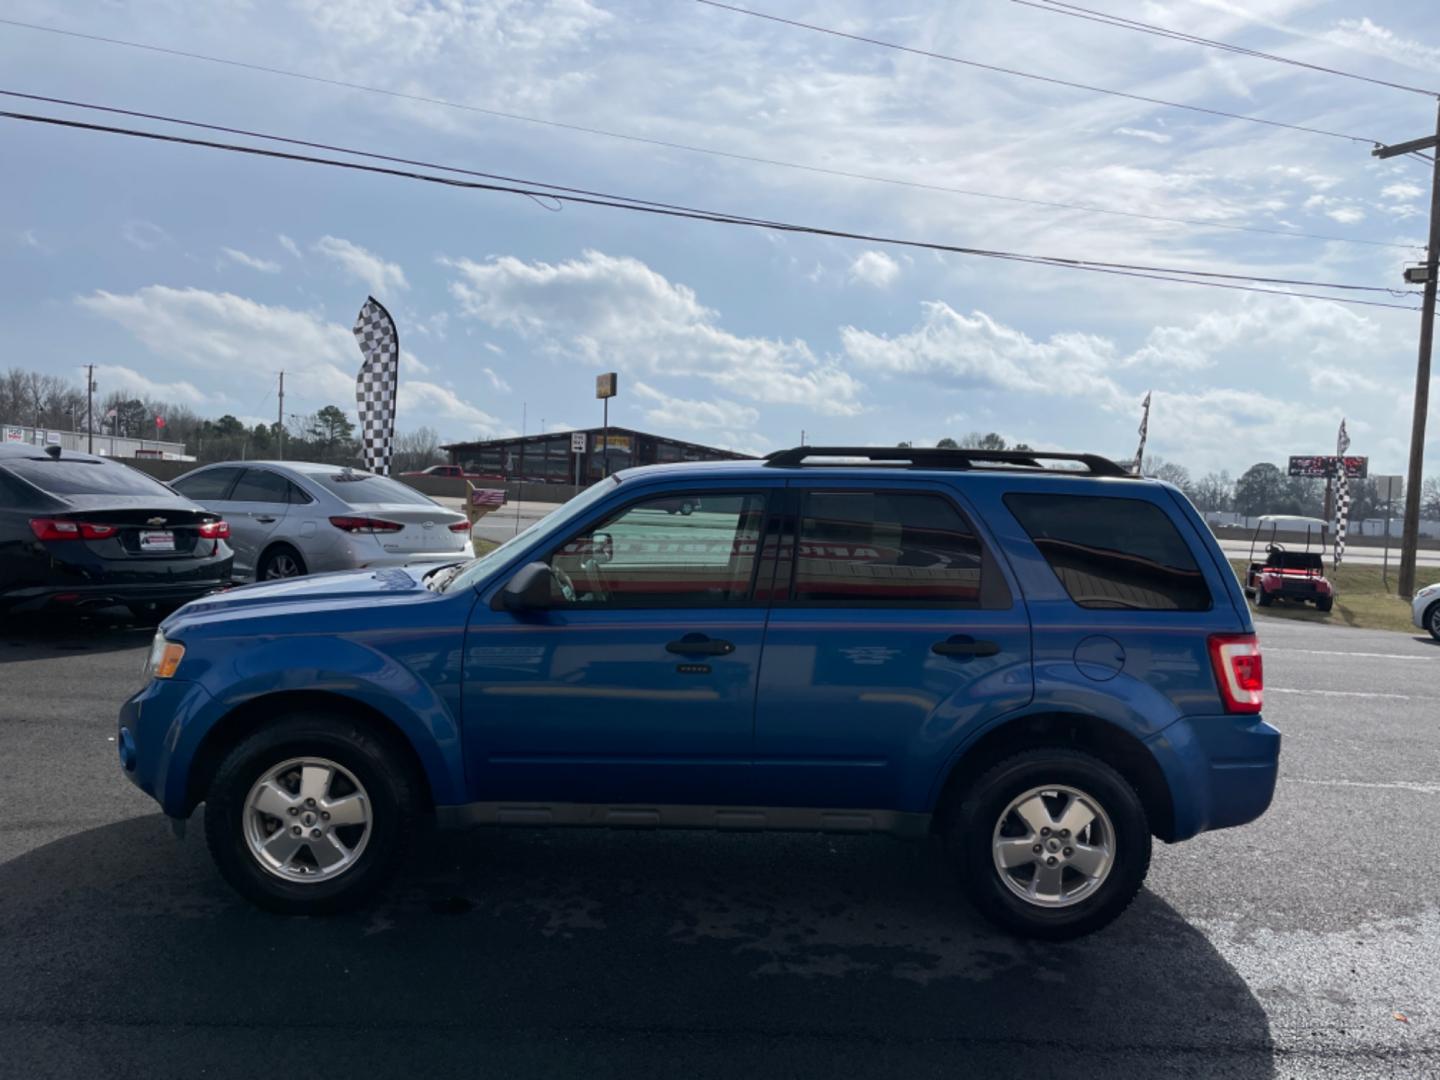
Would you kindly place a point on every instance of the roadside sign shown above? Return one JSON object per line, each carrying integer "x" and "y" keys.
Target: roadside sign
{"x": 577, "y": 442}
{"x": 1322, "y": 466}
{"x": 1389, "y": 488}
{"x": 53, "y": 438}
{"x": 14, "y": 434}
{"x": 605, "y": 385}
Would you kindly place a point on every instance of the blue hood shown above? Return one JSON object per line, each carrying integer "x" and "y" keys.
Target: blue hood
{"x": 310, "y": 592}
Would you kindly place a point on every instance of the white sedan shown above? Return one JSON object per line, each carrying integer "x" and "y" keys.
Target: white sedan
{"x": 1427, "y": 610}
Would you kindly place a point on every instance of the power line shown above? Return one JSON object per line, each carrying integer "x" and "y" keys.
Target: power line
{"x": 1059, "y": 7}
{"x": 1173, "y": 274}
{"x": 1038, "y": 78}
{"x": 709, "y": 151}
{"x": 115, "y": 110}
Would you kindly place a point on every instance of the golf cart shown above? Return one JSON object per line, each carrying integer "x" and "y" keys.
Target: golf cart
{"x": 1291, "y": 570}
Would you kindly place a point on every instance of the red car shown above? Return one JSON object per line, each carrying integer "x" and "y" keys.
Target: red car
{"x": 454, "y": 471}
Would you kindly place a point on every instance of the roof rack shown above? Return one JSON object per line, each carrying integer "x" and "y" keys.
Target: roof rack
{"x": 925, "y": 457}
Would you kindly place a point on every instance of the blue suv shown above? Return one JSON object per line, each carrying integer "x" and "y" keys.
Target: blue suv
{"x": 1037, "y": 658}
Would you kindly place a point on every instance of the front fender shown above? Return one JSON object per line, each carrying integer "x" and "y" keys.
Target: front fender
{"x": 345, "y": 668}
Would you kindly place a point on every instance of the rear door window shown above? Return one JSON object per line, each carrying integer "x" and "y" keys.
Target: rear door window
{"x": 208, "y": 486}
{"x": 263, "y": 486}
{"x": 891, "y": 548}
{"x": 78, "y": 476}
{"x": 1113, "y": 553}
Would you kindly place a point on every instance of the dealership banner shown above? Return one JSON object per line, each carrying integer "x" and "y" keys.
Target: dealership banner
{"x": 1325, "y": 466}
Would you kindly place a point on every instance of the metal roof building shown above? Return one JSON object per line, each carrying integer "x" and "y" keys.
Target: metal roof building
{"x": 557, "y": 457}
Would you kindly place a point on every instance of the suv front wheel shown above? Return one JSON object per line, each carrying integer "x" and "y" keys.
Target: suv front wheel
{"x": 1053, "y": 843}
{"x": 309, "y": 815}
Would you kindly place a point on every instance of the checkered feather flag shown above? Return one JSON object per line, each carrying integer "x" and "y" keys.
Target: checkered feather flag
{"x": 1144, "y": 431}
{"x": 1342, "y": 493}
{"x": 376, "y": 384}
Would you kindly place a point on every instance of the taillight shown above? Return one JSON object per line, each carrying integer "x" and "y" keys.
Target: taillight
{"x": 60, "y": 529}
{"x": 460, "y": 527}
{"x": 215, "y": 530}
{"x": 1239, "y": 671}
{"x": 365, "y": 525}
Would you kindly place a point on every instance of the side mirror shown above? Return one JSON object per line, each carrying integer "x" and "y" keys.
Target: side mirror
{"x": 528, "y": 590}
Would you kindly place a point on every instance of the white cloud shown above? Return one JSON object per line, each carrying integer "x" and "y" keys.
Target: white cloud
{"x": 411, "y": 363}
{"x": 599, "y": 307}
{"x": 179, "y": 392}
{"x": 145, "y": 235}
{"x": 29, "y": 238}
{"x": 874, "y": 268}
{"x": 1142, "y": 133}
{"x": 229, "y": 336}
{"x": 1346, "y": 215}
{"x": 377, "y": 275}
{"x": 673, "y": 412}
{"x": 497, "y": 383}
{"x": 265, "y": 266}
{"x": 1402, "y": 191}
{"x": 290, "y": 246}
{"x": 975, "y": 351}
{"x": 1373, "y": 38}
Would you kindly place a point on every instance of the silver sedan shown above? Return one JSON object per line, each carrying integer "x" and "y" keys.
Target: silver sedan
{"x": 295, "y": 517}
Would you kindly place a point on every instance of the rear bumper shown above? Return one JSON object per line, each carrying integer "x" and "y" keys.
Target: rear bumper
{"x": 77, "y": 598}
{"x": 1221, "y": 770}
{"x": 417, "y": 558}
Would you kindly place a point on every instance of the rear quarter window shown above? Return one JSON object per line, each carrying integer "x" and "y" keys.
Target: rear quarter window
{"x": 1113, "y": 553}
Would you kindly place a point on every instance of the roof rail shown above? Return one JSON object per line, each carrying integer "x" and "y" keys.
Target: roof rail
{"x": 925, "y": 457}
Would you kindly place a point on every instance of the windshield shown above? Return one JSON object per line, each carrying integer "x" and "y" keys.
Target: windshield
{"x": 475, "y": 571}
{"x": 367, "y": 489}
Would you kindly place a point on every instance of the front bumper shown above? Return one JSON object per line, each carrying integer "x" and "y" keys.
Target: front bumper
{"x": 1221, "y": 770}
{"x": 157, "y": 736}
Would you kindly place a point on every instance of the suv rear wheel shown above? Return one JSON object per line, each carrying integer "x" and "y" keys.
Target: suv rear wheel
{"x": 280, "y": 562}
{"x": 1053, "y": 843}
{"x": 1432, "y": 620}
{"x": 309, "y": 815}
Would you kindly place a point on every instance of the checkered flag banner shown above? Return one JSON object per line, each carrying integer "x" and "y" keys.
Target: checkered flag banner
{"x": 1342, "y": 493}
{"x": 376, "y": 384}
{"x": 1144, "y": 431}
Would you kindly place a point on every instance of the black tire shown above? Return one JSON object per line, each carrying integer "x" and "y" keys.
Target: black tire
{"x": 1263, "y": 598}
{"x": 973, "y": 830}
{"x": 1325, "y": 603}
{"x": 1432, "y": 620}
{"x": 280, "y": 556}
{"x": 394, "y": 797}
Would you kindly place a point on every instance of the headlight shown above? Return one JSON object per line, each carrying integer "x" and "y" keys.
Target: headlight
{"x": 164, "y": 658}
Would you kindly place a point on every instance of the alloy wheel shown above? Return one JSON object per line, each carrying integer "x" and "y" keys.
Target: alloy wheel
{"x": 280, "y": 566}
{"x": 1053, "y": 846}
{"x": 307, "y": 820}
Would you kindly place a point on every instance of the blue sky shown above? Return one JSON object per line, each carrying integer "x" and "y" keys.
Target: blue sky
{"x": 197, "y": 275}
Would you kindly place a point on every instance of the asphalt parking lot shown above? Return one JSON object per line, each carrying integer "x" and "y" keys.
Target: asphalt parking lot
{"x": 1286, "y": 948}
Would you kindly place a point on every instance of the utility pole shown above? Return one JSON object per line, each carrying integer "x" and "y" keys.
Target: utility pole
{"x": 280, "y": 417}
{"x": 1410, "y": 533}
{"x": 90, "y": 408}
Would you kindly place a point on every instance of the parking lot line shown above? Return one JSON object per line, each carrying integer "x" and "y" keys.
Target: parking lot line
{"x": 1336, "y": 693}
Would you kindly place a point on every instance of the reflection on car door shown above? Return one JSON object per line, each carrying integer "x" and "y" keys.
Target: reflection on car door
{"x": 257, "y": 506}
{"x": 639, "y": 685}
{"x": 892, "y": 629}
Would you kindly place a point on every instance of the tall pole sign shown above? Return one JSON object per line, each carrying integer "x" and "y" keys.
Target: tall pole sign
{"x": 605, "y": 388}
{"x": 1426, "y": 275}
